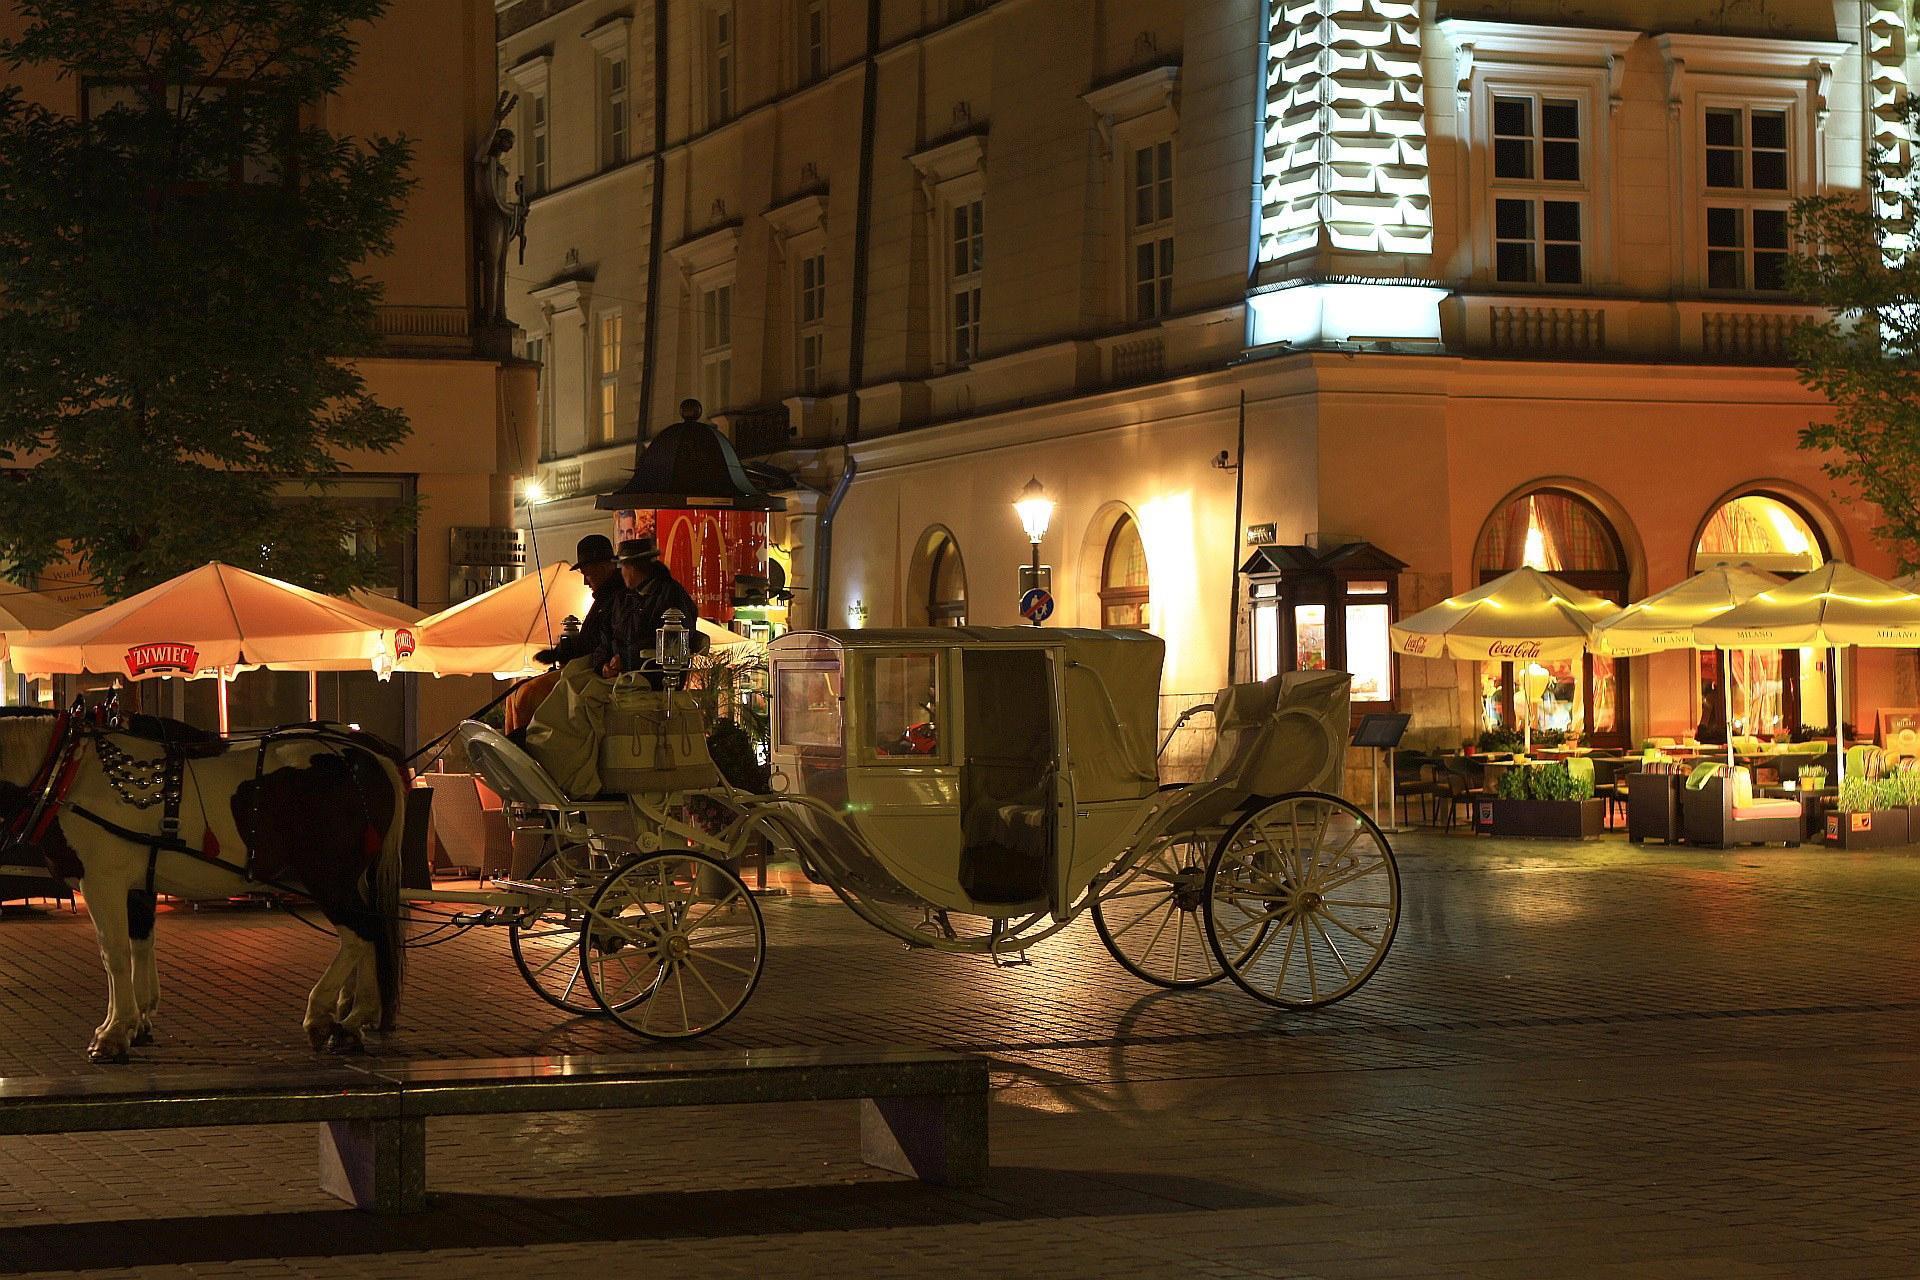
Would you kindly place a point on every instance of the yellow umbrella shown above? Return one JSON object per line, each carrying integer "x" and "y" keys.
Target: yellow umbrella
{"x": 1522, "y": 616}
{"x": 399, "y": 610}
{"x": 24, "y": 612}
{"x": 1666, "y": 620}
{"x": 212, "y": 620}
{"x": 498, "y": 631}
{"x": 1833, "y": 607}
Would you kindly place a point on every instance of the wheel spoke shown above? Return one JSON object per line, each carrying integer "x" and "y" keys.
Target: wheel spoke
{"x": 1138, "y": 893}
{"x": 1357, "y": 906}
{"x": 728, "y": 964}
{"x": 1253, "y": 920}
{"x": 680, "y": 986}
{"x": 1144, "y": 915}
{"x": 1155, "y": 941}
{"x": 1326, "y": 938}
{"x": 1179, "y": 944}
{"x": 701, "y": 978}
{"x": 1286, "y": 957}
{"x": 1356, "y": 873}
{"x": 1349, "y": 929}
{"x": 1313, "y": 978}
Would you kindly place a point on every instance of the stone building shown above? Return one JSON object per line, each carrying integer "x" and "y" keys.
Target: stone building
{"x": 1304, "y": 312}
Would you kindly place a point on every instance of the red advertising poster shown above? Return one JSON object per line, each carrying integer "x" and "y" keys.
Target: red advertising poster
{"x": 704, "y": 549}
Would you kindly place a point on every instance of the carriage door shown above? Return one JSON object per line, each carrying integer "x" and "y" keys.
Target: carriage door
{"x": 1010, "y": 782}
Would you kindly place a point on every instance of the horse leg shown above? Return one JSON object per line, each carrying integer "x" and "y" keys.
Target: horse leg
{"x": 146, "y": 978}
{"x": 359, "y": 997}
{"x": 107, "y": 907}
{"x": 322, "y": 1000}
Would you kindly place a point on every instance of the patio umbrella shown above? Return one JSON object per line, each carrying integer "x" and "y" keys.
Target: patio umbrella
{"x": 212, "y": 620}
{"x": 1520, "y": 616}
{"x": 24, "y": 612}
{"x": 1834, "y": 607}
{"x": 1665, "y": 621}
{"x": 399, "y": 610}
{"x": 497, "y": 632}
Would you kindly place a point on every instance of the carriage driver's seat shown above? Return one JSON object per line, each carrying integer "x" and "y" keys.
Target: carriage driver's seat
{"x": 563, "y": 821}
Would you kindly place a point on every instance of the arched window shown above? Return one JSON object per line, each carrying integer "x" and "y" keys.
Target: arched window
{"x": 1561, "y": 533}
{"x": 1123, "y": 579}
{"x": 1769, "y": 692}
{"x": 946, "y": 583}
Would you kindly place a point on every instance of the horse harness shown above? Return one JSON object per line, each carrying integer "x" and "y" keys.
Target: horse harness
{"x": 141, "y": 784}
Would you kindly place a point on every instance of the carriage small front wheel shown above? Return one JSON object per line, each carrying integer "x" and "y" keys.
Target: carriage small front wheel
{"x": 1313, "y": 879}
{"x": 1150, "y": 917}
{"x": 673, "y": 945}
{"x": 546, "y": 942}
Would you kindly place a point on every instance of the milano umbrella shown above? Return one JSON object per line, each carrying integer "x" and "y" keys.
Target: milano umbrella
{"x": 1665, "y": 621}
{"x": 1523, "y": 615}
{"x": 212, "y": 620}
{"x": 1835, "y": 607}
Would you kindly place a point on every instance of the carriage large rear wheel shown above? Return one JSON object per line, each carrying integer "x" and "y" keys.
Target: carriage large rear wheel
{"x": 1313, "y": 879}
{"x": 1151, "y": 917}
{"x": 673, "y": 945}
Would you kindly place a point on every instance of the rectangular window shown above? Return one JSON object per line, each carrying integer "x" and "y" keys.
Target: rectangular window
{"x": 1536, "y": 241}
{"x": 811, "y": 319}
{"x": 1151, "y": 218}
{"x": 1539, "y": 219}
{"x": 613, "y": 126}
{"x": 967, "y": 257}
{"x": 807, "y": 708}
{"x": 716, "y": 347}
{"x": 813, "y": 40}
{"x": 906, "y": 700}
{"x": 720, "y": 65}
{"x": 610, "y": 353}
{"x": 1370, "y": 652}
{"x": 537, "y": 173}
{"x": 1748, "y": 193}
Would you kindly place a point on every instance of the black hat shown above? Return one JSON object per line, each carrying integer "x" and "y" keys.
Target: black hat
{"x": 593, "y": 549}
{"x": 641, "y": 550}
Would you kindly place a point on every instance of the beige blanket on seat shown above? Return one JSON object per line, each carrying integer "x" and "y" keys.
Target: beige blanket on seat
{"x": 564, "y": 737}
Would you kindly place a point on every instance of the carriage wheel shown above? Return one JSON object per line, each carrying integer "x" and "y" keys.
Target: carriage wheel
{"x": 546, "y": 945}
{"x": 673, "y": 945}
{"x": 1151, "y": 917}
{"x": 1313, "y": 880}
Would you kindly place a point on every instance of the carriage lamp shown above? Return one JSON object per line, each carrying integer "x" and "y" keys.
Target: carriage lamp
{"x": 672, "y": 647}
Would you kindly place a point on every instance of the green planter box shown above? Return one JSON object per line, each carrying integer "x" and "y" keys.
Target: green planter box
{"x": 1880, "y": 829}
{"x": 1548, "y": 819}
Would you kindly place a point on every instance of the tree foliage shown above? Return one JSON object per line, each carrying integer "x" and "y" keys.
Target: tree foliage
{"x": 182, "y": 292}
{"x": 1860, "y": 261}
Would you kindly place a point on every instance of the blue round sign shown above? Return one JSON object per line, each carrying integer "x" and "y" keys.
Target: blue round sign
{"x": 1036, "y": 605}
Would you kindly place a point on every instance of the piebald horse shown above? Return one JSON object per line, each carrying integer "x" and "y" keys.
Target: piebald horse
{"x": 319, "y": 807}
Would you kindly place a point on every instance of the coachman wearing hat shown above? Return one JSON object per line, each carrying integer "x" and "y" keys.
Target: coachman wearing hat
{"x": 652, "y": 591}
{"x": 594, "y": 560}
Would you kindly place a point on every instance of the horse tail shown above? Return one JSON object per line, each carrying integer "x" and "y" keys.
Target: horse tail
{"x": 383, "y": 881}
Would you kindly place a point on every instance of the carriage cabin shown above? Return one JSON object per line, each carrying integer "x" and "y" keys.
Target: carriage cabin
{"x": 990, "y": 770}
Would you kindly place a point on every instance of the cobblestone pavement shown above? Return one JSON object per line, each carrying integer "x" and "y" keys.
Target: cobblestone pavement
{"x": 1579, "y": 1060}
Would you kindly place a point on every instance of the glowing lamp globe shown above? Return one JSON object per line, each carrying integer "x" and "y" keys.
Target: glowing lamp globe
{"x": 1036, "y": 510}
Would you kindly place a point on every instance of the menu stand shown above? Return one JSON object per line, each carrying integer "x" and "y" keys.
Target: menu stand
{"x": 1382, "y": 733}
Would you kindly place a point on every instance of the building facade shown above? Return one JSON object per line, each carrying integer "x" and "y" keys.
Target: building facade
{"x": 1245, "y": 284}
{"x": 424, "y": 70}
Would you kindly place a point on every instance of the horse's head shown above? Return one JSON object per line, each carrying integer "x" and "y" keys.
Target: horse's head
{"x": 25, "y": 735}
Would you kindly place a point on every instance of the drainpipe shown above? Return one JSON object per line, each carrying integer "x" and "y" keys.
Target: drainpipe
{"x": 857, "y": 320}
{"x": 648, "y": 340}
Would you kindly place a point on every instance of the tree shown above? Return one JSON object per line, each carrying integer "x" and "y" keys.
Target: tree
{"x": 1862, "y": 264}
{"x": 181, "y": 293}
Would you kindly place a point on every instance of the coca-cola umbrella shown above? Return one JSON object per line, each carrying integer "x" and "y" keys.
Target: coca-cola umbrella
{"x": 214, "y": 620}
{"x": 1523, "y": 616}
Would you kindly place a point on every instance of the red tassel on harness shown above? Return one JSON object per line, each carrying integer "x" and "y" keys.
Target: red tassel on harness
{"x": 210, "y": 846}
{"x": 369, "y": 841}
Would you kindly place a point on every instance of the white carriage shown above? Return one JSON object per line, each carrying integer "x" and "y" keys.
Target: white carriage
{"x": 976, "y": 790}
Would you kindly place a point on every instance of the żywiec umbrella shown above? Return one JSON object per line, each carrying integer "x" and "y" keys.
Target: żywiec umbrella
{"x": 497, "y": 632}
{"x": 1834, "y": 607}
{"x": 212, "y": 620}
{"x": 1520, "y": 616}
{"x": 1666, "y": 620}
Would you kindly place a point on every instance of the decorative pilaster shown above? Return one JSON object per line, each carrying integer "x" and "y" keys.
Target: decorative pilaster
{"x": 1344, "y": 162}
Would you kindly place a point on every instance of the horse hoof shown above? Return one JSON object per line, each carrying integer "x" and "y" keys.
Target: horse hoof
{"x": 345, "y": 1042}
{"x": 143, "y": 1037}
{"x": 318, "y": 1033}
{"x": 103, "y": 1056}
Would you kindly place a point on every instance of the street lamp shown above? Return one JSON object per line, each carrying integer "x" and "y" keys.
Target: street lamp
{"x": 1036, "y": 511}
{"x": 533, "y": 493}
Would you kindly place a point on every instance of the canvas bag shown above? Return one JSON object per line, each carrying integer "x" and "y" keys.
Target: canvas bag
{"x": 564, "y": 735}
{"x": 655, "y": 742}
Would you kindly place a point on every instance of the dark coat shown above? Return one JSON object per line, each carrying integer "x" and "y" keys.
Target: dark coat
{"x": 645, "y": 608}
{"x": 596, "y": 638}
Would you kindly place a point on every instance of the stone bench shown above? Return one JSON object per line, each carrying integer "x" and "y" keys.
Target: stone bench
{"x": 922, "y": 1112}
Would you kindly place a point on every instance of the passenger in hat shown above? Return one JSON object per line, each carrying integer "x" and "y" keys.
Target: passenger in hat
{"x": 594, "y": 560}
{"x": 653, "y": 590}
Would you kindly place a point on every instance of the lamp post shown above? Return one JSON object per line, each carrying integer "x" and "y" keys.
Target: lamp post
{"x": 1036, "y": 512}
{"x": 534, "y": 493}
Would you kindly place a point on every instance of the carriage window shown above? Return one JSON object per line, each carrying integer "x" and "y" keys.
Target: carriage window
{"x": 808, "y": 702}
{"x": 906, "y": 692}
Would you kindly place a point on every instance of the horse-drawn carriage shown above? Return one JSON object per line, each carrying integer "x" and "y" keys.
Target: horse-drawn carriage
{"x": 972, "y": 790}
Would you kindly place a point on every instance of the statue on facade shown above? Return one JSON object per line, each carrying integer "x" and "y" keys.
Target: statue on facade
{"x": 499, "y": 216}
